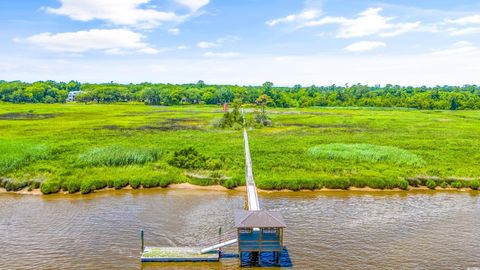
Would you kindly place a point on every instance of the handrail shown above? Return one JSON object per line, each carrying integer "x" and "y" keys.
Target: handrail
{"x": 253, "y": 204}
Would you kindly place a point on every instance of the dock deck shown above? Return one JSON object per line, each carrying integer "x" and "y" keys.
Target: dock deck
{"x": 177, "y": 254}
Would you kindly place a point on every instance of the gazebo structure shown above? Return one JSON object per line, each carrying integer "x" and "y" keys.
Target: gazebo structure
{"x": 259, "y": 231}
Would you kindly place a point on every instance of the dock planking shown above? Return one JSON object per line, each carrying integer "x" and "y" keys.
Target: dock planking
{"x": 178, "y": 254}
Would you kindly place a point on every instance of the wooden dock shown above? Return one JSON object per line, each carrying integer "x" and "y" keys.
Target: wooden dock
{"x": 178, "y": 254}
{"x": 252, "y": 195}
{"x": 259, "y": 234}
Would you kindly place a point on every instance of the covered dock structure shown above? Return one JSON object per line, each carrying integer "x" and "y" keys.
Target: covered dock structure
{"x": 258, "y": 232}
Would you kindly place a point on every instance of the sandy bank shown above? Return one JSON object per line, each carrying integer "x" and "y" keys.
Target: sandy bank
{"x": 189, "y": 186}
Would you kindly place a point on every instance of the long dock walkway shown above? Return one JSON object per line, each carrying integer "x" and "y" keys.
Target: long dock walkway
{"x": 252, "y": 195}
{"x": 152, "y": 254}
{"x": 253, "y": 204}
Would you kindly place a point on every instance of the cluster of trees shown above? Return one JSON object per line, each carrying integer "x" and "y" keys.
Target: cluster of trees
{"x": 438, "y": 97}
{"x": 37, "y": 92}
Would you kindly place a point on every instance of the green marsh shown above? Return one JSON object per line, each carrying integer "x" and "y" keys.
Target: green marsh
{"x": 80, "y": 148}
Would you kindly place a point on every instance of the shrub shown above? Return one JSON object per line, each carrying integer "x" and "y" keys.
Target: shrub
{"x": 456, "y": 184}
{"x": 298, "y": 184}
{"x": 33, "y": 185}
{"x": 117, "y": 155}
{"x": 443, "y": 184}
{"x": 164, "y": 181}
{"x": 292, "y": 185}
{"x": 268, "y": 184}
{"x": 15, "y": 185}
{"x": 414, "y": 182}
{"x": 120, "y": 183}
{"x": 230, "y": 183}
{"x": 337, "y": 183}
{"x": 188, "y": 158}
{"x": 377, "y": 183}
{"x": 402, "y": 184}
{"x": 50, "y": 187}
{"x": 87, "y": 186}
{"x": 73, "y": 186}
{"x": 218, "y": 122}
{"x": 135, "y": 183}
{"x": 359, "y": 183}
{"x": 214, "y": 164}
{"x": 431, "y": 184}
{"x": 150, "y": 182}
{"x": 474, "y": 184}
{"x": 110, "y": 183}
{"x": 99, "y": 183}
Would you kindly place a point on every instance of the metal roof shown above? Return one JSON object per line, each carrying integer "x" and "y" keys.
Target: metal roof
{"x": 258, "y": 219}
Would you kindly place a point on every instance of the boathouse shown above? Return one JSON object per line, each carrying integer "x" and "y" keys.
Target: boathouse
{"x": 258, "y": 232}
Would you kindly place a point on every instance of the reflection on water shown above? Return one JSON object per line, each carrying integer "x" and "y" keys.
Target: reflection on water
{"x": 326, "y": 230}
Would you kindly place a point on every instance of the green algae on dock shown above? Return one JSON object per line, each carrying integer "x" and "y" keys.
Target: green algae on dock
{"x": 177, "y": 254}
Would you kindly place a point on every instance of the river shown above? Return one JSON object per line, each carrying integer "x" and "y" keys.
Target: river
{"x": 326, "y": 230}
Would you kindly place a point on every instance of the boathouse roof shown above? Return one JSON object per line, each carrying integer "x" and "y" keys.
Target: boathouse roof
{"x": 258, "y": 219}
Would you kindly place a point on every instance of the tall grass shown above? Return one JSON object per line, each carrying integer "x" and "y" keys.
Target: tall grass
{"x": 370, "y": 153}
{"x": 15, "y": 154}
{"x": 446, "y": 141}
{"x": 117, "y": 155}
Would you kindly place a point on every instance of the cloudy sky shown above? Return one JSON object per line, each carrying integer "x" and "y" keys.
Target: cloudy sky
{"x": 244, "y": 42}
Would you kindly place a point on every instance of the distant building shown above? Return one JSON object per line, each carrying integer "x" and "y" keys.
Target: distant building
{"x": 73, "y": 94}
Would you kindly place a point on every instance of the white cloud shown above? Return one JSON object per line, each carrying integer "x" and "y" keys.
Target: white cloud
{"x": 363, "y": 46}
{"x": 110, "y": 41}
{"x": 305, "y": 15}
{"x": 206, "y": 45}
{"x": 221, "y": 54}
{"x": 401, "y": 29}
{"x": 124, "y": 12}
{"x": 473, "y": 19}
{"x": 458, "y": 48}
{"x": 193, "y": 5}
{"x": 218, "y": 42}
{"x": 463, "y": 31}
{"x": 368, "y": 22}
{"x": 466, "y": 25}
{"x": 174, "y": 31}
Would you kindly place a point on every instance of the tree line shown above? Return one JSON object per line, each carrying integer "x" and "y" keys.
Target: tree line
{"x": 358, "y": 95}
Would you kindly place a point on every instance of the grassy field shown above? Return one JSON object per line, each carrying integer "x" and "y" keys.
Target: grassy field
{"x": 80, "y": 148}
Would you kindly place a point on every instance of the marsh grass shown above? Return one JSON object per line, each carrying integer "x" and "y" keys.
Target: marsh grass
{"x": 16, "y": 154}
{"x": 118, "y": 155}
{"x": 438, "y": 145}
{"x": 362, "y": 152}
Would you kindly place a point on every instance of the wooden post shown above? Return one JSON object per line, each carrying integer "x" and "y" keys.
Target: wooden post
{"x": 219, "y": 239}
{"x": 143, "y": 242}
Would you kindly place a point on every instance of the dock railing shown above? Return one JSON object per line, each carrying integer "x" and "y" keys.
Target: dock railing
{"x": 253, "y": 204}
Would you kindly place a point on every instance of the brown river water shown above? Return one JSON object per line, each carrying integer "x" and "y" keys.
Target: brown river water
{"x": 326, "y": 230}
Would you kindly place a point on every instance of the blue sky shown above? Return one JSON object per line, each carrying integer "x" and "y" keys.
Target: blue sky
{"x": 242, "y": 42}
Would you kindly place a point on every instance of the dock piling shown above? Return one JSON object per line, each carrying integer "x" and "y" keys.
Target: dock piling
{"x": 143, "y": 242}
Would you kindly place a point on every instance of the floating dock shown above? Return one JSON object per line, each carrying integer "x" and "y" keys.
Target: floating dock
{"x": 178, "y": 254}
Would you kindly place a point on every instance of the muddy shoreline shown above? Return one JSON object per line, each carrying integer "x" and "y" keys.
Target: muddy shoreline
{"x": 189, "y": 186}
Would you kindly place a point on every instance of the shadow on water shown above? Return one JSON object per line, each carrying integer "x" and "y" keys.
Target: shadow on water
{"x": 267, "y": 259}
